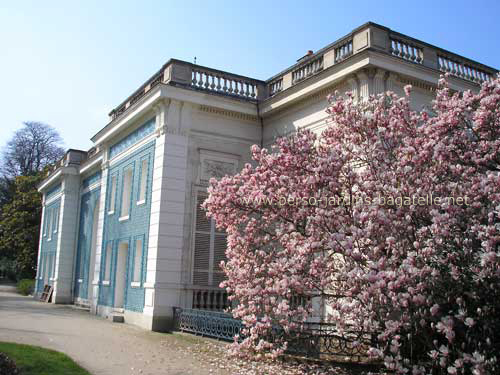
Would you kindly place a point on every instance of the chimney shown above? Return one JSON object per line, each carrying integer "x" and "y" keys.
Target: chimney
{"x": 307, "y": 55}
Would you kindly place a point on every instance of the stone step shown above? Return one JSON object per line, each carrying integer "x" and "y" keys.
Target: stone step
{"x": 116, "y": 318}
{"x": 81, "y": 306}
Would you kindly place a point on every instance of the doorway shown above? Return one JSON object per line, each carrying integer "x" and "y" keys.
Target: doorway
{"x": 121, "y": 275}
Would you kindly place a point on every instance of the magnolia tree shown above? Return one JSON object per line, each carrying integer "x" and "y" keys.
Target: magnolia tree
{"x": 389, "y": 217}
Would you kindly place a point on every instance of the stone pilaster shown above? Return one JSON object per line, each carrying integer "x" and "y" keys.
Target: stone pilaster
{"x": 163, "y": 285}
{"x": 96, "y": 271}
{"x": 364, "y": 85}
{"x": 378, "y": 82}
{"x": 66, "y": 244}
{"x": 353, "y": 86}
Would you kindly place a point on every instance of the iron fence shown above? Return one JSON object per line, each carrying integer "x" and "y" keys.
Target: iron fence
{"x": 313, "y": 340}
{"x": 207, "y": 323}
{"x": 325, "y": 341}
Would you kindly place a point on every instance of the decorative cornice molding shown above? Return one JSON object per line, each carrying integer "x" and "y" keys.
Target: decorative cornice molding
{"x": 227, "y": 113}
{"x": 312, "y": 98}
{"x": 417, "y": 83}
{"x": 166, "y": 130}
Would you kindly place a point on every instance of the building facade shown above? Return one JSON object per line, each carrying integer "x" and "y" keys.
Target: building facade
{"x": 122, "y": 229}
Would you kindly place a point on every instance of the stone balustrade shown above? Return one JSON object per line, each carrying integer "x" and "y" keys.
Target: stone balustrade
{"x": 137, "y": 95}
{"x": 181, "y": 73}
{"x": 380, "y": 39}
{"x": 210, "y": 299}
{"x": 369, "y": 37}
{"x": 275, "y": 86}
{"x": 311, "y": 67}
{"x": 343, "y": 51}
{"x": 406, "y": 50}
{"x": 461, "y": 69}
{"x": 223, "y": 83}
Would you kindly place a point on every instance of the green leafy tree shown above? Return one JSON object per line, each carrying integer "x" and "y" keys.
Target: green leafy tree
{"x": 31, "y": 150}
{"x": 20, "y": 226}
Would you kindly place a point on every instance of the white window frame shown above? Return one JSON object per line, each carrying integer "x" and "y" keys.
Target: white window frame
{"x": 143, "y": 181}
{"x": 52, "y": 267}
{"x": 137, "y": 270}
{"x": 42, "y": 264}
{"x": 49, "y": 224}
{"x": 127, "y": 191}
{"x": 107, "y": 263}
{"x": 112, "y": 193}
{"x": 45, "y": 223}
{"x": 56, "y": 219}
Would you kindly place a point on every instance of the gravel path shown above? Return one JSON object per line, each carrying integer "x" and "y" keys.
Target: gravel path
{"x": 100, "y": 346}
{"x": 106, "y": 348}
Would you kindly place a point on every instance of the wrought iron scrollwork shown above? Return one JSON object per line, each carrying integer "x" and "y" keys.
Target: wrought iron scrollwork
{"x": 313, "y": 340}
{"x": 324, "y": 340}
{"x": 207, "y": 323}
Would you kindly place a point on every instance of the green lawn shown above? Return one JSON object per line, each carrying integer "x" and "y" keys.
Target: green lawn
{"x": 34, "y": 360}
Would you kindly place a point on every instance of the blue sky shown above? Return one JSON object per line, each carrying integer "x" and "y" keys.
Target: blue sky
{"x": 68, "y": 64}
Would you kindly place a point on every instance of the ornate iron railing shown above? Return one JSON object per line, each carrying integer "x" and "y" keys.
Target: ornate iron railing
{"x": 325, "y": 341}
{"x": 207, "y": 323}
{"x": 314, "y": 340}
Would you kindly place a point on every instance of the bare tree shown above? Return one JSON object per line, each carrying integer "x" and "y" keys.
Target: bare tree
{"x": 31, "y": 148}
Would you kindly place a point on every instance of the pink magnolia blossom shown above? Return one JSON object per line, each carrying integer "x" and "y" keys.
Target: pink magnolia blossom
{"x": 425, "y": 278}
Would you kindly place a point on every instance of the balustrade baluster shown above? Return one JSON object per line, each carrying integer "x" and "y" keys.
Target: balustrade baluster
{"x": 212, "y": 300}
{"x": 206, "y": 80}
{"x": 218, "y": 83}
{"x": 198, "y": 299}
{"x": 461, "y": 68}
{"x": 477, "y": 78}
{"x": 205, "y": 299}
{"x": 472, "y": 74}
{"x": 217, "y": 297}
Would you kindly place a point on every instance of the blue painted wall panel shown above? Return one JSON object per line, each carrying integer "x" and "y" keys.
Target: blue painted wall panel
{"x": 131, "y": 139}
{"x": 48, "y": 245}
{"x": 88, "y": 207}
{"x": 116, "y": 231}
{"x": 91, "y": 180}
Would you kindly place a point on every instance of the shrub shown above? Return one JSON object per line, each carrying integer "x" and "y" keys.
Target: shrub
{"x": 8, "y": 269}
{"x": 25, "y": 286}
{"x": 7, "y": 365}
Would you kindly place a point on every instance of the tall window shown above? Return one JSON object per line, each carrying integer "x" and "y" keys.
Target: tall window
{"x": 107, "y": 269}
{"x": 56, "y": 219}
{"x": 112, "y": 194}
{"x": 143, "y": 182}
{"x": 42, "y": 264}
{"x": 53, "y": 265}
{"x": 209, "y": 248}
{"x": 126, "y": 193}
{"x": 137, "y": 261}
{"x": 49, "y": 223}
{"x": 45, "y": 222}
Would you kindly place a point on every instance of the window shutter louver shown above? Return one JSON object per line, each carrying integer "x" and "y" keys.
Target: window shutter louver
{"x": 220, "y": 244}
{"x": 209, "y": 248}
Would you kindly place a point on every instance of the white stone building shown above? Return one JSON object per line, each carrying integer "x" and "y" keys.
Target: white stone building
{"x": 121, "y": 227}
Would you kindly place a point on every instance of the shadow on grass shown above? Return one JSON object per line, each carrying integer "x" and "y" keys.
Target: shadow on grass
{"x": 34, "y": 360}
